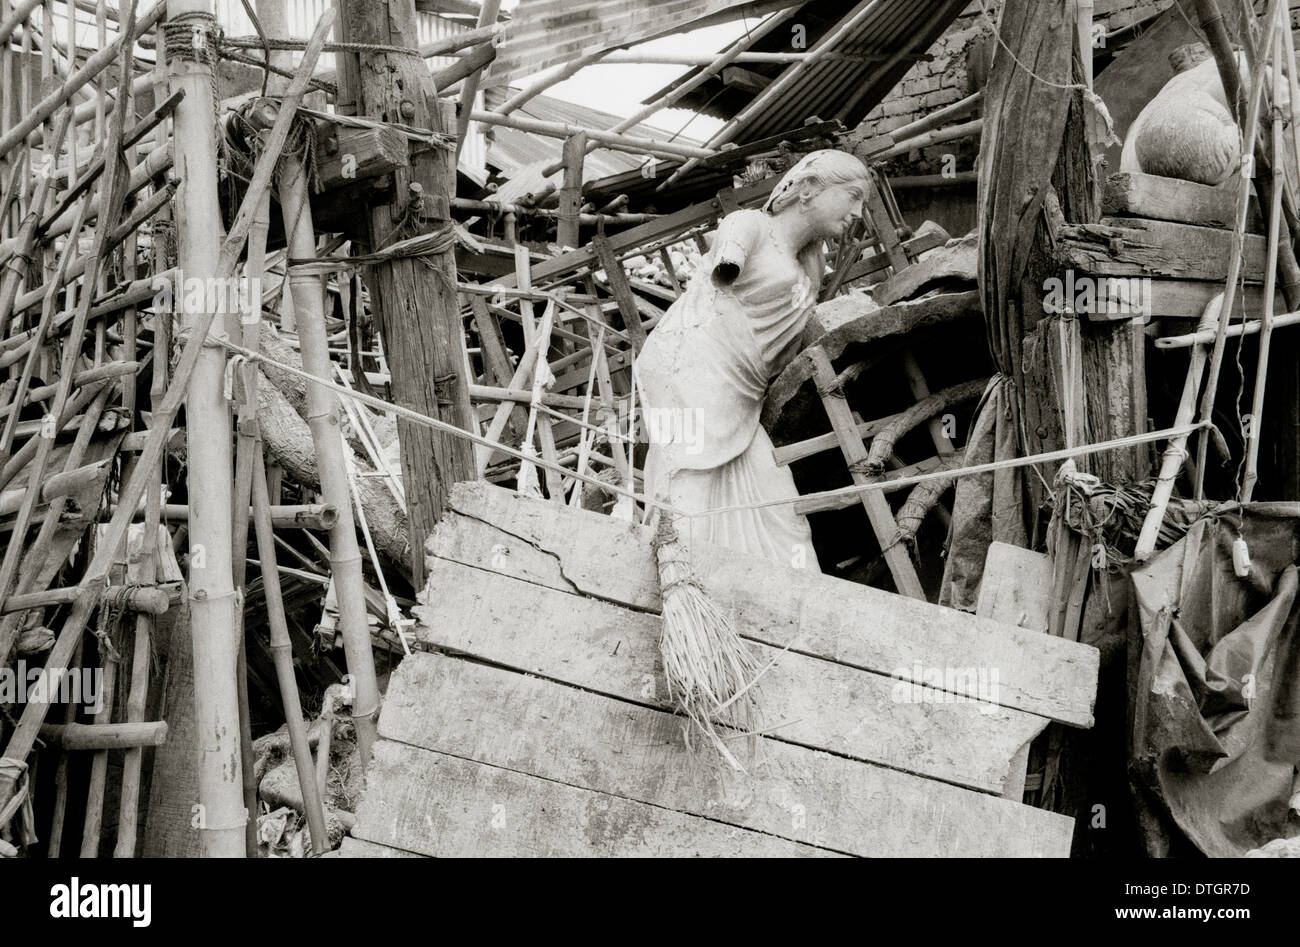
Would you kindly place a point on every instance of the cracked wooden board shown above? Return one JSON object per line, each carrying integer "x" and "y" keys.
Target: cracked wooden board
{"x": 614, "y": 651}
{"x": 597, "y": 556}
{"x": 541, "y": 728}
{"x": 429, "y": 803}
{"x": 1132, "y": 246}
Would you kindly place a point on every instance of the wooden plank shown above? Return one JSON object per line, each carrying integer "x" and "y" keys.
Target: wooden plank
{"x": 1160, "y": 198}
{"x": 433, "y": 804}
{"x": 589, "y": 554}
{"x": 360, "y": 848}
{"x": 1170, "y": 298}
{"x": 1131, "y": 246}
{"x": 855, "y": 452}
{"x": 821, "y": 704}
{"x": 571, "y": 736}
{"x": 621, "y": 289}
{"x": 1016, "y": 589}
{"x": 348, "y": 155}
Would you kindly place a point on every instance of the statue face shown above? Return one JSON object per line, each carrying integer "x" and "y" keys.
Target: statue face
{"x": 834, "y": 209}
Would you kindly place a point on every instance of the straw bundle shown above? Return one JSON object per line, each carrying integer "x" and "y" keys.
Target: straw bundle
{"x": 710, "y": 670}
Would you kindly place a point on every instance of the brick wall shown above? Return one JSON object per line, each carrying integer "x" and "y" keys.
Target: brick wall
{"x": 957, "y": 63}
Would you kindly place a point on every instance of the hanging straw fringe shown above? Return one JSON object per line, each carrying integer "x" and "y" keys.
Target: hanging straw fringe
{"x": 709, "y": 669}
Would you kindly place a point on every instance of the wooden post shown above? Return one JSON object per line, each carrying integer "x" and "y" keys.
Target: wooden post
{"x": 208, "y": 446}
{"x": 575, "y": 149}
{"x": 416, "y": 306}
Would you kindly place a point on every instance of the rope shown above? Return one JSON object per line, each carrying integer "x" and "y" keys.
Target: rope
{"x": 192, "y": 37}
{"x": 257, "y": 42}
{"x": 111, "y": 609}
{"x": 843, "y": 492}
{"x": 1092, "y": 98}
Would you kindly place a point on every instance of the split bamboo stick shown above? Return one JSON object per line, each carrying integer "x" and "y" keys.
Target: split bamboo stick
{"x": 1176, "y": 453}
{"x": 282, "y": 655}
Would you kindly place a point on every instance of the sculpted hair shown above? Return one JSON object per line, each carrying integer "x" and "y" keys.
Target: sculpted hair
{"x": 823, "y": 169}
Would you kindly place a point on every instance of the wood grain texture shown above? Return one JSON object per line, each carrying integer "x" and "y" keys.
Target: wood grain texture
{"x": 817, "y": 703}
{"x": 415, "y": 300}
{"x": 1160, "y": 198}
{"x": 541, "y": 728}
{"x": 1132, "y": 246}
{"x": 603, "y": 558}
{"x": 433, "y": 804}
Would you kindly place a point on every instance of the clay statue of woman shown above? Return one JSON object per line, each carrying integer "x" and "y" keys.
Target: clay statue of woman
{"x": 706, "y": 368}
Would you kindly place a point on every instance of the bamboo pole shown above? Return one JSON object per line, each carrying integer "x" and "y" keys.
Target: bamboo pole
{"x": 1176, "y": 453}
{"x": 1234, "y": 262}
{"x": 326, "y": 431}
{"x": 103, "y": 737}
{"x": 145, "y": 626}
{"x": 208, "y": 446}
{"x": 618, "y": 142}
{"x": 1270, "y": 278}
{"x": 524, "y": 96}
{"x": 282, "y": 655}
{"x": 487, "y": 16}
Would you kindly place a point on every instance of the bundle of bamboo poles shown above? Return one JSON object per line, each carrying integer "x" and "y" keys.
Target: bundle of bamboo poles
{"x": 91, "y": 228}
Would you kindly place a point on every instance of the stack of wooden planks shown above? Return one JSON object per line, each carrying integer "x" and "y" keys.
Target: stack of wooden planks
{"x": 534, "y": 719}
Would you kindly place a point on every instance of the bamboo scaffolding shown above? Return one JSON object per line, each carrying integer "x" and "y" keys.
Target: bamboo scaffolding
{"x": 226, "y": 836}
{"x": 93, "y": 67}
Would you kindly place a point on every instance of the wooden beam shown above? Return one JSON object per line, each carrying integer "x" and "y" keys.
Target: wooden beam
{"x": 416, "y": 305}
{"x": 348, "y": 155}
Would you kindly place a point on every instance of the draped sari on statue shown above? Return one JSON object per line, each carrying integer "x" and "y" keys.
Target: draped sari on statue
{"x": 702, "y": 377}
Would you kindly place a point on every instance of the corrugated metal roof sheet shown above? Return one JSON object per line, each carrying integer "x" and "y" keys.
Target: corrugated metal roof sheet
{"x": 892, "y": 35}
{"x": 545, "y": 33}
{"x": 511, "y": 150}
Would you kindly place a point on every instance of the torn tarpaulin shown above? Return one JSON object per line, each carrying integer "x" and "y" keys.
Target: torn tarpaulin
{"x": 1207, "y": 672}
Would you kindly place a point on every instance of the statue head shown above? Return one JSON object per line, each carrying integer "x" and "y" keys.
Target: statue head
{"x": 827, "y": 186}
